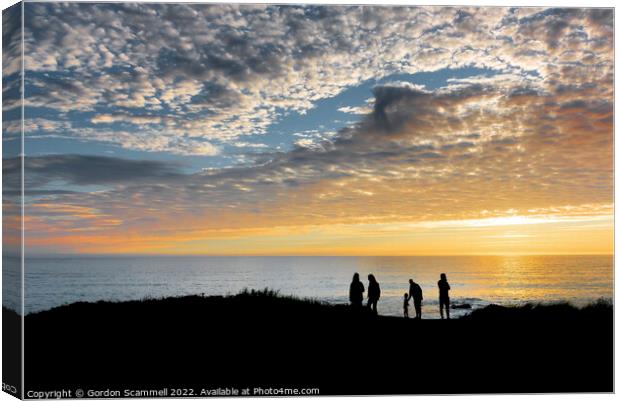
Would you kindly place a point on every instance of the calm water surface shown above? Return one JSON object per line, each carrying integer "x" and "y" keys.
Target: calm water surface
{"x": 476, "y": 280}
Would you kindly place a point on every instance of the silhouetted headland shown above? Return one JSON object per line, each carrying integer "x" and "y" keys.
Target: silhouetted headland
{"x": 258, "y": 338}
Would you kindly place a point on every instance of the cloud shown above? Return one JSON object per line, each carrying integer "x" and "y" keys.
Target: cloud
{"x": 240, "y": 144}
{"x": 11, "y": 38}
{"x": 361, "y": 110}
{"x": 226, "y": 71}
{"x": 138, "y": 120}
{"x": 534, "y": 137}
{"x": 476, "y": 146}
{"x": 146, "y": 138}
{"x": 89, "y": 170}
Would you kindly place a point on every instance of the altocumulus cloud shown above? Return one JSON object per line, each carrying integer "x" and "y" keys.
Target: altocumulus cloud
{"x": 474, "y": 157}
{"x": 536, "y": 136}
{"x": 212, "y": 73}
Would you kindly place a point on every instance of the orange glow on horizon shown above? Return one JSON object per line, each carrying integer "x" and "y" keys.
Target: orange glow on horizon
{"x": 505, "y": 235}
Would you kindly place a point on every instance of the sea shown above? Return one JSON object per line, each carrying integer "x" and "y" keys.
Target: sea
{"x": 476, "y": 281}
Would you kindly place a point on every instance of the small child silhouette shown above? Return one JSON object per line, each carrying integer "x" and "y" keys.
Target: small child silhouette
{"x": 406, "y": 305}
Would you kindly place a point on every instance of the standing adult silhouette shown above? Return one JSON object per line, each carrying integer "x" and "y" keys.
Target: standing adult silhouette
{"x": 356, "y": 292}
{"x": 444, "y": 297}
{"x": 415, "y": 292}
{"x": 374, "y": 293}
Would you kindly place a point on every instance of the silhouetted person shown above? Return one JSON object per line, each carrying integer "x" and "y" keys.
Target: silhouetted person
{"x": 374, "y": 293}
{"x": 356, "y": 292}
{"x": 444, "y": 297}
{"x": 406, "y": 305}
{"x": 415, "y": 292}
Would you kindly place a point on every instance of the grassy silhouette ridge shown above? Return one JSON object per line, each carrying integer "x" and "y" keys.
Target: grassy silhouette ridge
{"x": 260, "y": 338}
{"x": 559, "y": 311}
{"x": 271, "y": 301}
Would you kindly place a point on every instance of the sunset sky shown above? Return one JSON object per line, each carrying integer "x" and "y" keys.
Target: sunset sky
{"x": 290, "y": 130}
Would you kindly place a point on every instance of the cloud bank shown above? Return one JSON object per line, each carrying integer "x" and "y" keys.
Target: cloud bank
{"x": 532, "y": 138}
{"x": 211, "y": 74}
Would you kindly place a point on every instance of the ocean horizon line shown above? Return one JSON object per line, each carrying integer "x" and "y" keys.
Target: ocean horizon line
{"x": 113, "y": 255}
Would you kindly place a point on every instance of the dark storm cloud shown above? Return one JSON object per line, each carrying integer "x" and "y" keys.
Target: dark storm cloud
{"x": 87, "y": 170}
{"x": 386, "y": 96}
